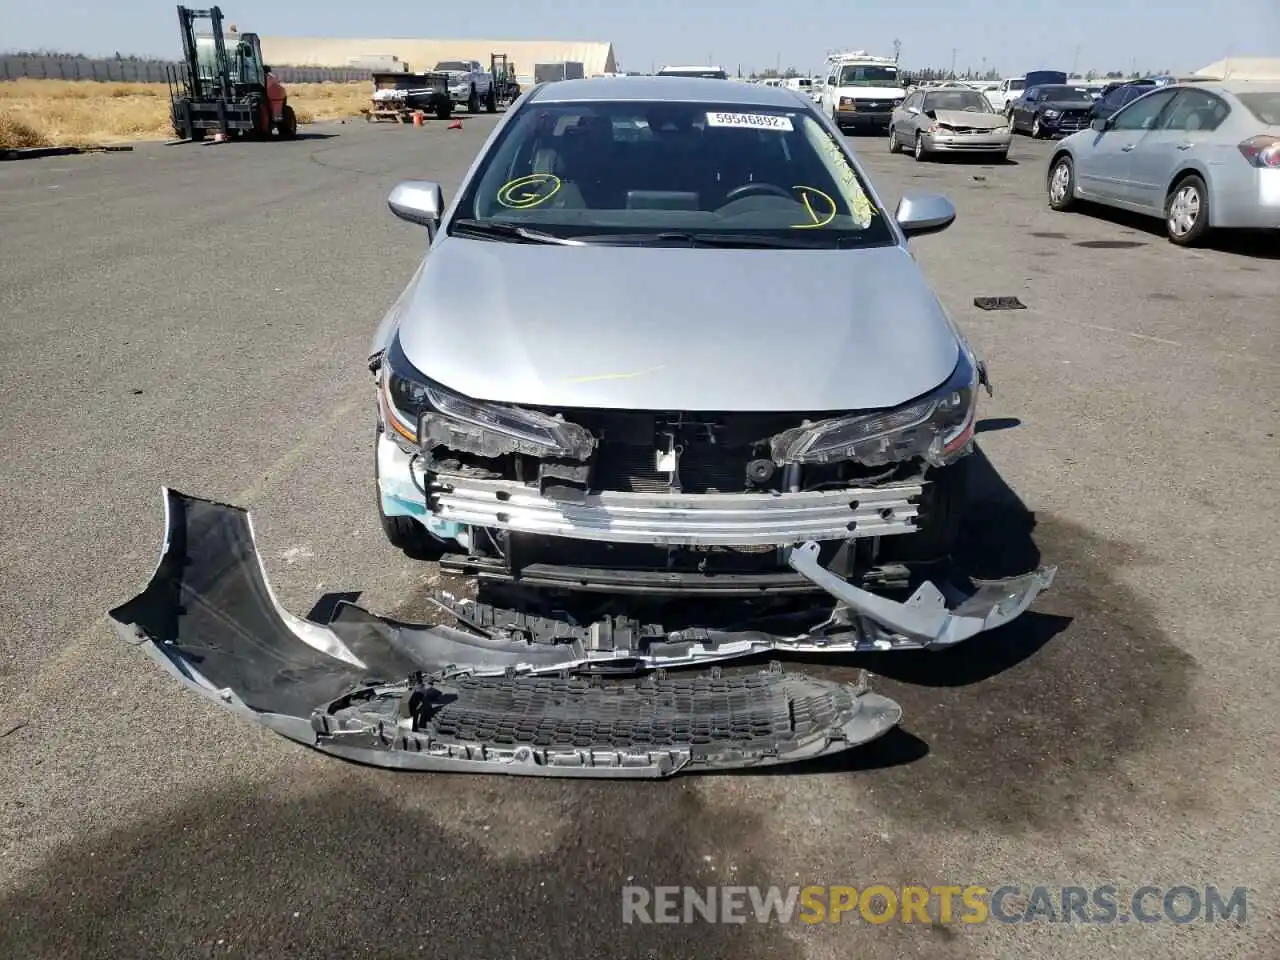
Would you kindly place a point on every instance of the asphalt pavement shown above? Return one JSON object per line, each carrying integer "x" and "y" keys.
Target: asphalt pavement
{"x": 198, "y": 316}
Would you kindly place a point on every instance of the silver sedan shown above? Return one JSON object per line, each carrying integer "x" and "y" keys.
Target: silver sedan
{"x": 952, "y": 120}
{"x": 1198, "y": 155}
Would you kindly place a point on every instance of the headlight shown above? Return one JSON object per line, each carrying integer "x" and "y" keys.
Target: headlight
{"x": 846, "y": 101}
{"x": 1000, "y": 130}
{"x": 1052, "y": 114}
{"x": 429, "y": 415}
{"x": 938, "y": 427}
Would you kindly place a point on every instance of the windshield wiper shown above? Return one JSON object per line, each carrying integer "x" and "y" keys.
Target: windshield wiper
{"x": 740, "y": 240}
{"x": 494, "y": 229}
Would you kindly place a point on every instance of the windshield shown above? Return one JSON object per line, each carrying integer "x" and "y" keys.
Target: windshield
{"x": 1064, "y": 93}
{"x": 631, "y": 170}
{"x": 453, "y": 66}
{"x": 1017, "y": 84}
{"x": 1265, "y": 105}
{"x": 868, "y": 76}
{"x": 969, "y": 100}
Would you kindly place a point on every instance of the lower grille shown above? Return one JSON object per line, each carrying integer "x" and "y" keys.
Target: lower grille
{"x": 703, "y": 468}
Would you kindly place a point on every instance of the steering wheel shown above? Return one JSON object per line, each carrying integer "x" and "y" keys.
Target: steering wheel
{"x": 750, "y": 189}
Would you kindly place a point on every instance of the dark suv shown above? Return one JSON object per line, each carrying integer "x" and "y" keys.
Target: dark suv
{"x": 1116, "y": 95}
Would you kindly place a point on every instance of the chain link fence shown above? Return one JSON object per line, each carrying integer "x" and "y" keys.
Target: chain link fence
{"x": 148, "y": 71}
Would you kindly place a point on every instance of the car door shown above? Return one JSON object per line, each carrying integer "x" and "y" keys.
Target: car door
{"x": 907, "y": 122}
{"x": 830, "y": 91}
{"x": 1102, "y": 160}
{"x": 1185, "y": 131}
{"x": 1125, "y": 130}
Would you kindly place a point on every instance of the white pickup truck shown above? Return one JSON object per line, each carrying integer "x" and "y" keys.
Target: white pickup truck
{"x": 1010, "y": 89}
{"x": 470, "y": 84}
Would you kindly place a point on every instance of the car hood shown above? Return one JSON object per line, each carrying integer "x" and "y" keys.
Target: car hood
{"x": 666, "y": 328}
{"x": 966, "y": 118}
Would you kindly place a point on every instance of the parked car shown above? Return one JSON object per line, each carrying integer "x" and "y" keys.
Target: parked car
{"x": 1200, "y": 155}
{"x": 1050, "y": 111}
{"x": 1116, "y": 95}
{"x": 533, "y": 425}
{"x": 948, "y": 121}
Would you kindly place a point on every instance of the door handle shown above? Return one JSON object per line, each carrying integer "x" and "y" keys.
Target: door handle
{"x": 1127, "y": 147}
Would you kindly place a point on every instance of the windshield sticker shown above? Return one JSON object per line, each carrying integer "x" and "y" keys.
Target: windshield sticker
{"x": 859, "y": 204}
{"x": 523, "y": 193}
{"x": 820, "y": 206}
{"x": 750, "y": 121}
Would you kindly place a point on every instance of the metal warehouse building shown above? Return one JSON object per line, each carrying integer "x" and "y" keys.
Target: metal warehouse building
{"x": 422, "y": 55}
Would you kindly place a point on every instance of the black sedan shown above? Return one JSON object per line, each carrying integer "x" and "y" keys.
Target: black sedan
{"x": 1116, "y": 95}
{"x": 1055, "y": 110}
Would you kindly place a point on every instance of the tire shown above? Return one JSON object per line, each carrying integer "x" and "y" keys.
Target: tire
{"x": 444, "y": 109}
{"x": 1036, "y": 132}
{"x": 893, "y": 141}
{"x": 1186, "y": 211}
{"x": 942, "y": 511}
{"x": 1061, "y": 184}
{"x": 403, "y": 533}
{"x": 491, "y": 100}
{"x": 288, "y": 125}
{"x": 920, "y": 153}
{"x": 473, "y": 101}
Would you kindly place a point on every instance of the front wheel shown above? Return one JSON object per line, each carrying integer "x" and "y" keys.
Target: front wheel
{"x": 1062, "y": 184}
{"x": 444, "y": 109}
{"x": 1036, "y": 131}
{"x": 473, "y": 101}
{"x": 893, "y": 141}
{"x": 491, "y": 101}
{"x": 921, "y": 154}
{"x": 1186, "y": 211}
{"x": 288, "y": 125}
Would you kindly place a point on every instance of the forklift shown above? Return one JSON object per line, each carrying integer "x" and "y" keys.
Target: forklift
{"x": 505, "y": 85}
{"x": 225, "y": 90}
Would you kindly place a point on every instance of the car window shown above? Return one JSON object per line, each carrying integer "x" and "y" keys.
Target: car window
{"x": 1142, "y": 113}
{"x": 568, "y": 168}
{"x": 1031, "y": 93}
{"x": 969, "y": 100}
{"x": 868, "y": 75}
{"x": 1195, "y": 110}
{"x": 1265, "y": 105}
{"x": 452, "y": 66}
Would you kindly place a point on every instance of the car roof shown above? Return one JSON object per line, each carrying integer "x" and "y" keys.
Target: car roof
{"x": 680, "y": 89}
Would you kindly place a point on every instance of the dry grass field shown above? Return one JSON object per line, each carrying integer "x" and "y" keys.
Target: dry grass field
{"x": 42, "y": 113}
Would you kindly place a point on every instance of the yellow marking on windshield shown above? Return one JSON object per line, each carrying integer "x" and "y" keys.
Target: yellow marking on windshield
{"x": 819, "y": 219}
{"x": 617, "y": 376}
{"x": 533, "y": 190}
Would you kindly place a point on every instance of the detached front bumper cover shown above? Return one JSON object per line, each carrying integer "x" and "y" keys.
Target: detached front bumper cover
{"x": 516, "y": 697}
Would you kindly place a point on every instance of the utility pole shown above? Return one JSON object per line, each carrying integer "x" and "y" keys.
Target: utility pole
{"x": 777, "y": 64}
{"x": 897, "y": 49}
{"x": 1075, "y": 62}
{"x": 953, "y": 63}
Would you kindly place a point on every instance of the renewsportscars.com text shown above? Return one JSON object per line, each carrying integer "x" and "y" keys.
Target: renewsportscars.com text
{"x": 879, "y": 903}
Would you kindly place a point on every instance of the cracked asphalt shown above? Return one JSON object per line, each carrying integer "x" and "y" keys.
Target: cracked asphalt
{"x": 199, "y": 316}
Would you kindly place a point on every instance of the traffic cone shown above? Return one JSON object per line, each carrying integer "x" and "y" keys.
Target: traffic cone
{"x": 456, "y": 125}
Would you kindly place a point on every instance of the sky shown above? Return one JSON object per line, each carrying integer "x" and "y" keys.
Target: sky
{"x": 1011, "y": 36}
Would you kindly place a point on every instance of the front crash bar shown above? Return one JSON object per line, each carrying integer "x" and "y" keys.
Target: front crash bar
{"x": 447, "y": 699}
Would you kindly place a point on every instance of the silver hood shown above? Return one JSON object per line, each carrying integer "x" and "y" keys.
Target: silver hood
{"x": 966, "y": 118}
{"x": 675, "y": 329}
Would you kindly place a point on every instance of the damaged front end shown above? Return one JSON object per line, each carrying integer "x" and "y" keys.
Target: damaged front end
{"x": 853, "y": 512}
{"x": 503, "y": 699}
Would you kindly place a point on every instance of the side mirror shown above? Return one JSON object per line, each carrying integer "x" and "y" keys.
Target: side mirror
{"x": 418, "y": 201}
{"x": 1101, "y": 124}
{"x": 913, "y": 110}
{"x": 922, "y": 213}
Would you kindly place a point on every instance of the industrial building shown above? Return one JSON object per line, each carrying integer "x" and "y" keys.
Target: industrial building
{"x": 422, "y": 55}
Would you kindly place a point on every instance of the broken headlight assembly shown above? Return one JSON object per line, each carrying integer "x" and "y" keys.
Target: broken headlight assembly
{"x": 425, "y": 413}
{"x": 938, "y": 428}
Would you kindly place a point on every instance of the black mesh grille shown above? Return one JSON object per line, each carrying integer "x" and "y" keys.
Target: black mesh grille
{"x": 572, "y": 712}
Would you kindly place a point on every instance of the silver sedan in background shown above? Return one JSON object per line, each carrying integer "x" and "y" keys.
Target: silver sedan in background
{"x": 951, "y": 120}
{"x": 1199, "y": 155}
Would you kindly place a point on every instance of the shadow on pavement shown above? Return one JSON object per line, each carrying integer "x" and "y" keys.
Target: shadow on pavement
{"x": 370, "y": 864}
{"x": 1254, "y": 244}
